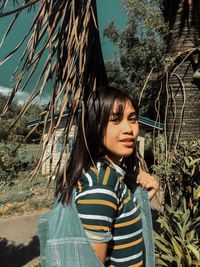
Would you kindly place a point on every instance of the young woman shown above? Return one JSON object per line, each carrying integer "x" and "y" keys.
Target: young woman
{"x": 103, "y": 170}
{"x": 110, "y": 193}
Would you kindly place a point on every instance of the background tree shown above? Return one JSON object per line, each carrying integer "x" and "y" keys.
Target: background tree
{"x": 183, "y": 76}
{"x": 19, "y": 132}
{"x": 142, "y": 47}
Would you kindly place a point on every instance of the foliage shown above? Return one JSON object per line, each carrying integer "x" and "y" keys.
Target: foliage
{"x": 187, "y": 160}
{"x": 35, "y": 264}
{"x": 16, "y": 196}
{"x": 179, "y": 170}
{"x": 12, "y": 161}
{"x": 160, "y": 168}
{"x": 17, "y": 134}
{"x": 116, "y": 76}
{"x": 15, "y": 209}
{"x": 14, "y": 108}
{"x": 148, "y": 149}
{"x": 142, "y": 46}
{"x": 178, "y": 244}
{"x": 22, "y": 196}
{"x": 8, "y": 133}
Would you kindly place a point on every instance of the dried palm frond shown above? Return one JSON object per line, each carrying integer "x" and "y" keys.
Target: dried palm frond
{"x": 27, "y": 3}
{"x": 69, "y": 31}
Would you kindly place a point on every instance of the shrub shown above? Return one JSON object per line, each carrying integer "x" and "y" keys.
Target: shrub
{"x": 9, "y": 162}
{"x": 12, "y": 162}
{"x": 178, "y": 243}
{"x": 178, "y": 171}
{"x": 18, "y": 208}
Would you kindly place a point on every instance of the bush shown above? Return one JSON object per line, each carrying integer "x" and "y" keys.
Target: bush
{"x": 178, "y": 171}
{"x": 178, "y": 243}
{"x": 12, "y": 162}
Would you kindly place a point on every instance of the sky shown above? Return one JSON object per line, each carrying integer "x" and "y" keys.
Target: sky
{"x": 108, "y": 10}
{"x": 20, "y": 28}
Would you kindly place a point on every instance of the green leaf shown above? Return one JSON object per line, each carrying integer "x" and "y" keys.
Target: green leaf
{"x": 188, "y": 257}
{"x": 159, "y": 239}
{"x": 193, "y": 162}
{"x": 167, "y": 258}
{"x": 193, "y": 170}
{"x": 162, "y": 248}
{"x": 164, "y": 223}
{"x": 177, "y": 248}
{"x": 169, "y": 209}
{"x": 187, "y": 161}
{"x": 161, "y": 262}
{"x": 179, "y": 264}
{"x": 197, "y": 193}
{"x": 190, "y": 235}
{"x": 195, "y": 251}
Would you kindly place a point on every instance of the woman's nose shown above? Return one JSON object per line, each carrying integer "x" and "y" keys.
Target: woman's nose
{"x": 126, "y": 127}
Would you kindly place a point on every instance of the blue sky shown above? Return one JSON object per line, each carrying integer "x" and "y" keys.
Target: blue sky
{"x": 108, "y": 10}
{"x": 20, "y": 28}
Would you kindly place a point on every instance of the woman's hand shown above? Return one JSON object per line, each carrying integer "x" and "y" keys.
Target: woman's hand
{"x": 147, "y": 182}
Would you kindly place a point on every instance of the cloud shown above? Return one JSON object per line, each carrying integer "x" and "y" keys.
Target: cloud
{"x": 21, "y": 97}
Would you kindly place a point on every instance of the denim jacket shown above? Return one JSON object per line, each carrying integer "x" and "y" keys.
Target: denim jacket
{"x": 63, "y": 241}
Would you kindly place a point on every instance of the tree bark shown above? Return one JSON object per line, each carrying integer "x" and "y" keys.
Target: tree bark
{"x": 183, "y": 88}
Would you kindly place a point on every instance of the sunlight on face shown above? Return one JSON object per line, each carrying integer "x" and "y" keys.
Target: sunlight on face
{"x": 121, "y": 132}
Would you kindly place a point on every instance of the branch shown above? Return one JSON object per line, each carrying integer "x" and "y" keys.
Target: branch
{"x": 145, "y": 84}
{"x": 18, "y": 9}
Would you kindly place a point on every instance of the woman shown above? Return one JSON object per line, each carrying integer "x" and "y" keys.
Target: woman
{"x": 104, "y": 175}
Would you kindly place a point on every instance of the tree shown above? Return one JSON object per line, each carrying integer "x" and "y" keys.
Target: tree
{"x": 183, "y": 79}
{"x": 13, "y": 110}
{"x": 180, "y": 85}
{"x": 142, "y": 45}
{"x": 19, "y": 132}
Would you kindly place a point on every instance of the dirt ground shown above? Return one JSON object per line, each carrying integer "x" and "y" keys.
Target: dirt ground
{"x": 19, "y": 244}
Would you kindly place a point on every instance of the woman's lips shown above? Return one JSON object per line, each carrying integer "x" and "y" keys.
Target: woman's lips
{"x": 127, "y": 142}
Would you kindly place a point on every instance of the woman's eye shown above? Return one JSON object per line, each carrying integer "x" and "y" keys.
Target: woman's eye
{"x": 133, "y": 119}
{"x": 115, "y": 119}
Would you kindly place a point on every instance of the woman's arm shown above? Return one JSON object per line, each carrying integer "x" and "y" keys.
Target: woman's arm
{"x": 147, "y": 182}
{"x": 101, "y": 250}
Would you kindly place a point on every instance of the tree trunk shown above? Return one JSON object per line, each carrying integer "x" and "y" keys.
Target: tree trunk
{"x": 183, "y": 117}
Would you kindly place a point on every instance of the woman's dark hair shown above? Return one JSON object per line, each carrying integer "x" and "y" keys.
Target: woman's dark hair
{"x": 88, "y": 144}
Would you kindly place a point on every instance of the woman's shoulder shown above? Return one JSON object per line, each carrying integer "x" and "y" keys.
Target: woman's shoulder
{"x": 99, "y": 175}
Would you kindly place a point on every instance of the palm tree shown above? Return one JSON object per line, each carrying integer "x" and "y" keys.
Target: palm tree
{"x": 183, "y": 77}
{"x": 69, "y": 31}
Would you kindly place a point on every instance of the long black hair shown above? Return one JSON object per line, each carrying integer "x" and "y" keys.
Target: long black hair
{"x": 88, "y": 143}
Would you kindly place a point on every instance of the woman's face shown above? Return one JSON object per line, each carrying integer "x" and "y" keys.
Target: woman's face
{"x": 121, "y": 133}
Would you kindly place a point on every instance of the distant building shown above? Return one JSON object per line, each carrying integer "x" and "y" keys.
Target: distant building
{"x": 144, "y": 123}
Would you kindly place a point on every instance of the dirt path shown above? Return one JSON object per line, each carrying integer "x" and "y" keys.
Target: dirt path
{"x": 19, "y": 243}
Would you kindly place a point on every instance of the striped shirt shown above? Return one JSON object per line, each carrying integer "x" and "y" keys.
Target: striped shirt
{"x": 110, "y": 213}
